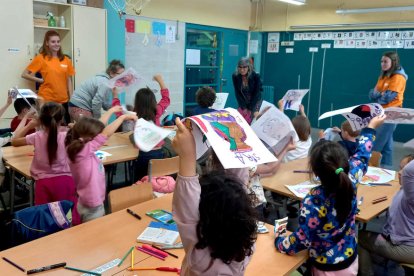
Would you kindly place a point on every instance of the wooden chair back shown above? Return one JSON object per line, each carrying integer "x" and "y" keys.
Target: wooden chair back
{"x": 162, "y": 167}
{"x": 128, "y": 196}
{"x": 375, "y": 160}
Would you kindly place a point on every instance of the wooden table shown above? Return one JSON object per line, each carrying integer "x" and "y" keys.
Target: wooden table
{"x": 19, "y": 159}
{"x": 286, "y": 176}
{"x": 94, "y": 243}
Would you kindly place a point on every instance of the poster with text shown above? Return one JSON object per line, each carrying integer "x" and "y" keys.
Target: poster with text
{"x": 293, "y": 98}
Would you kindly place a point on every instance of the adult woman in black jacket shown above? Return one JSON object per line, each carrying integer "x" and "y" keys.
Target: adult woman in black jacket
{"x": 248, "y": 89}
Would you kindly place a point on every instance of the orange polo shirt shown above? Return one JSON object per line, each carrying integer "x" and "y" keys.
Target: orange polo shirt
{"x": 55, "y": 74}
{"x": 394, "y": 83}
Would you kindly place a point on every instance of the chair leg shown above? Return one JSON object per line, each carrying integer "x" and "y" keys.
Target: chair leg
{"x": 3, "y": 202}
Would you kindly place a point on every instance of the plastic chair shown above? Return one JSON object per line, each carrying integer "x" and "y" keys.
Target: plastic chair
{"x": 375, "y": 160}
{"x": 128, "y": 196}
{"x": 163, "y": 167}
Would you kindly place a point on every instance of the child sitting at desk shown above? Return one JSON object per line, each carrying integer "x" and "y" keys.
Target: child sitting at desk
{"x": 205, "y": 97}
{"x": 348, "y": 137}
{"x": 21, "y": 107}
{"x": 302, "y": 138}
{"x": 50, "y": 168}
{"x": 396, "y": 242}
{"x": 327, "y": 217}
{"x": 214, "y": 215}
{"x": 86, "y": 137}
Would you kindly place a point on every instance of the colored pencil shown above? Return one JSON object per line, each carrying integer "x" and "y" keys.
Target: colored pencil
{"x": 14, "y": 264}
{"x": 301, "y": 171}
{"x": 45, "y": 268}
{"x": 380, "y": 199}
{"x": 171, "y": 254}
{"x": 133, "y": 214}
{"x": 150, "y": 253}
{"x": 384, "y": 170}
{"x": 379, "y": 184}
{"x": 126, "y": 255}
{"x": 132, "y": 259}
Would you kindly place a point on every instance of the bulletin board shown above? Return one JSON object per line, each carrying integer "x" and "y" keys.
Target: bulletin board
{"x": 155, "y": 46}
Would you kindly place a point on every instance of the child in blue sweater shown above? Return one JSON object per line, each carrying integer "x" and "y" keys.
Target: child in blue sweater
{"x": 327, "y": 216}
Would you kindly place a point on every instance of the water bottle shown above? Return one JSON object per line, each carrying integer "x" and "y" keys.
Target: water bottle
{"x": 62, "y": 22}
{"x": 51, "y": 22}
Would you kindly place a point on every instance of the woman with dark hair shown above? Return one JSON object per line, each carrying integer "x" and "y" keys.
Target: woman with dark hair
{"x": 56, "y": 70}
{"x": 94, "y": 94}
{"x": 389, "y": 92}
{"x": 247, "y": 89}
{"x": 327, "y": 217}
{"x": 146, "y": 107}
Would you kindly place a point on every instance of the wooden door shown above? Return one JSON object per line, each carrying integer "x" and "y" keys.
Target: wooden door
{"x": 16, "y": 48}
{"x": 89, "y": 42}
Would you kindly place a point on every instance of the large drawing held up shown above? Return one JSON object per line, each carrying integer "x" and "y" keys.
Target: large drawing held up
{"x": 232, "y": 139}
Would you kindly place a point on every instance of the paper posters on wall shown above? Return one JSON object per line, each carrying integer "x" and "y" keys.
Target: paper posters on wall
{"x": 373, "y": 44}
{"x": 192, "y": 56}
{"x": 221, "y": 99}
{"x": 289, "y": 50}
{"x": 407, "y": 35}
{"x": 298, "y": 36}
{"x": 273, "y": 47}
{"x": 399, "y": 115}
{"x": 253, "y": 46}
{"x": 158, "y": 28}
{"x": 273, "y": 37}
{"x": 359, "y": 35}
{"x": 339, "y": 43}
{"x": 147, "y": 135}
{"x": 358, "y": 116}
{"x": 360, "y": 44}
{"x": 126, "y": 79}
{"x": 409, "y": 44}
{"x": 274, "y": 128}
{"x": 170, "y": 33}
{"x": 398, "y": 44}
{"x": 130, "y": 25}
{"x": 231, "y": 137}
{"x": 142, "y": 26}
{"x": 307, "y": 36}
{"x": 293, "y": 98}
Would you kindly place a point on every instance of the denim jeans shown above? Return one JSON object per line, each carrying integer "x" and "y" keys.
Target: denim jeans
{"x": 384, "y": 143}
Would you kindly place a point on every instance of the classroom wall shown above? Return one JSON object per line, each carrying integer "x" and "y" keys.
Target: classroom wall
{"x": 221, "y": 13}
{"x": 278, "y": 16}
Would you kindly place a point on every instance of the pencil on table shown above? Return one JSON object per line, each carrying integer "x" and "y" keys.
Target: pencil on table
{"x": 380, "y": 199}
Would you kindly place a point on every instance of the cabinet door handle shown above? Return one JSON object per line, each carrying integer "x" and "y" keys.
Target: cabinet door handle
{"x": 78, "y": 52}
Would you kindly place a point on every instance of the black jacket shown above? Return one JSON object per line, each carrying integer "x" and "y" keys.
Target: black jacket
{"x": 255, "y": 89}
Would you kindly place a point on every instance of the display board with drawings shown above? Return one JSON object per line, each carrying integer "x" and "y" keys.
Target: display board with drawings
{"x": 156, "y": 46}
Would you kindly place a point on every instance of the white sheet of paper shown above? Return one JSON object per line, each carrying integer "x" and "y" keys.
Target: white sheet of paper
{"x": 399, "y": 115}
{"x": 378, "y": 175}
{"x": 170, "y": 34}
{"x": 192, "y": 56}
{"x": 147, "y": 135}
{"x": 273, "y": 127}
{"x": 233, "y": 140}
{"x": 26, "y": 93}
{"x": 253, "y": 46}
{"x": 221, "y": 99}
{"x": 124, "y": 80}
{"x": 293, "y": 98}
{"x": 302, "y": 189}
{"x": 264, "y": 105}
{"x": 358, "y": 116}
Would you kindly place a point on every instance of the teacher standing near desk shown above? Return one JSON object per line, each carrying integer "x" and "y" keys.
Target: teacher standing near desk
{"x": 56, "y": 70}
{"x": 389, "y": 92}
{"x": 248, "y": 89}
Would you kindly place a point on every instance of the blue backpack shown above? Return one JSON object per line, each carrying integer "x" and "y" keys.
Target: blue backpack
{"x": 169, "y": 120}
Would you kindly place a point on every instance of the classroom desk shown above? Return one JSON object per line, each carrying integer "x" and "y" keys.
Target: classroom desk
{"x": 94, "y": 243}
{"x": 19, "y": 159}
{"x": 286, "y": 176}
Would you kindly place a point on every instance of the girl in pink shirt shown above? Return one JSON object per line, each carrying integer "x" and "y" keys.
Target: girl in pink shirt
{"x": 50, "y": 168}
{"x": 214, "y": 215}
{"x": 82, "y": 141}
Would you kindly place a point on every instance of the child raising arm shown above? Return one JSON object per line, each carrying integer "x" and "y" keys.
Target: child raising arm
{"x": 327, "y": 217}
{"x": 214, "y": 215}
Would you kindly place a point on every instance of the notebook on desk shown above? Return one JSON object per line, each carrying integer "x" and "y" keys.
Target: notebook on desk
{"x": 159, "y": 233}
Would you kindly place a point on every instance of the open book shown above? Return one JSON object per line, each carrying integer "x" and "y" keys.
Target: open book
{"x": 159, "y": 233}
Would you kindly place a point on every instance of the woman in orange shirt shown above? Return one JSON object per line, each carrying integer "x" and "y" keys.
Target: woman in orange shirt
{"x": 389, "y": 92}
{"x": 56, "y": 70}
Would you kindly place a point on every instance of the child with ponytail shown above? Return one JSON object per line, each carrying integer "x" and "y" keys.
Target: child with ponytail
{"x": 327, "y": 216}
{"x": 50, "y": 168}
{"x": 86, "y": 137}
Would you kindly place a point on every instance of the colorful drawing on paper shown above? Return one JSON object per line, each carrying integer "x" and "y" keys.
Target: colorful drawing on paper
{"x": 232, "y": 139}
{"x": 274, "y": 128}
{"x": 302, "y": 189}
{"x": 147, "y": 135}
{"x": 378, "y": 175}
{"x": 399, "y": 115}
{"x": 358, "y": 116}
{"x": 124, "y": 80}
{"x": 293, "y": 98}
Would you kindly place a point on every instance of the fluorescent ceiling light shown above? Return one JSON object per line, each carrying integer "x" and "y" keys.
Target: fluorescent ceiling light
{"x": 351, "y": 25}
{"x": 386, "y": 9}
{"x": 294, "y": 2}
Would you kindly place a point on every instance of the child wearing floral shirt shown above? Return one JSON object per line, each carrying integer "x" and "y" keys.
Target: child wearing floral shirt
{"x": 327, "y": 221}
